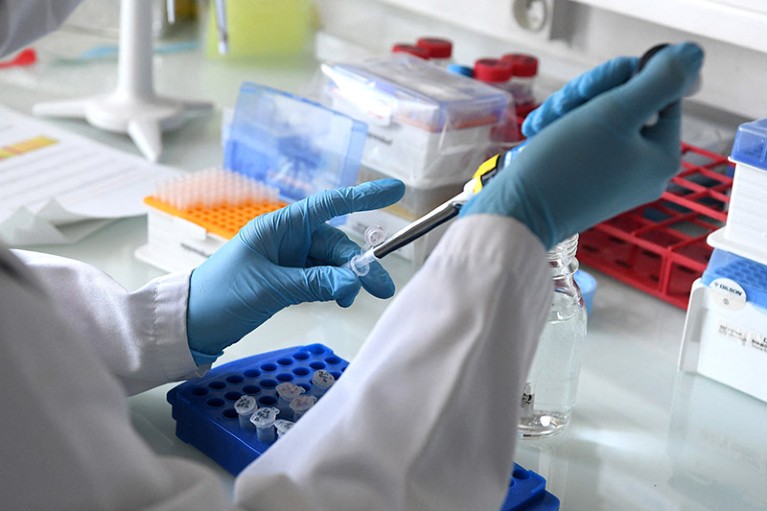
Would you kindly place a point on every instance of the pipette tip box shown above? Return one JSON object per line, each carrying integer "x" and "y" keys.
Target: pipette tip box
{"x": 725, "y": 332}
{"x": 284, "y": 143}
{"x": 205, "y": 415}
{"x": 746, "y": 230}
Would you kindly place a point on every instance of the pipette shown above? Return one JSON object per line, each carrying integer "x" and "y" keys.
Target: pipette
{"x": 222, "y": 27}
{"x": 446, "y": 211}
{"x": 645, "y": 59}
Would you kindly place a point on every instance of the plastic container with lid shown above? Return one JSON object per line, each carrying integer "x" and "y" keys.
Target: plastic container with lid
{"x": 524, "y": 70}
{"x": 498, "y": 73}
{"x": 495, "y": 72}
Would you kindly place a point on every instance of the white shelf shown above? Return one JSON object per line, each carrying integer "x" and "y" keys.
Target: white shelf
{"x": 739, "y": 22}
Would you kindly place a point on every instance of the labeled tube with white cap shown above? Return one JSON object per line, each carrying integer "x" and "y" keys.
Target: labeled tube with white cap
{"x": 263, "y": 419}
{"x": 301, "y": 405}
{"x": 245, "y": 406}
{"x": 287, "y": 392}
{"x": 282, "y": 426}
{"x": 322, "y": 380}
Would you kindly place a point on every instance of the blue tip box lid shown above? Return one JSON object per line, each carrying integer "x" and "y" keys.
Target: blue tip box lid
{"x": 749, "y": 275}
{"x": 292, "y": 143}
{"x": 750, "y": 146}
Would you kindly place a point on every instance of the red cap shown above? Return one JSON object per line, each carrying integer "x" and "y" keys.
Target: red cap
{"x": 410, "y": 49}
{"x": 522, "y": 65}
{"x": 438, "y": 48}
{"x": 492, "y": 70}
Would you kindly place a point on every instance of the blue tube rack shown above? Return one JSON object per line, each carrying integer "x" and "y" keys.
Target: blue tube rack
{"x": 203, "y": 409}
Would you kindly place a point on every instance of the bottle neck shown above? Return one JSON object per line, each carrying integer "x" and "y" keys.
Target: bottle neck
{"x": 562, "y": 259}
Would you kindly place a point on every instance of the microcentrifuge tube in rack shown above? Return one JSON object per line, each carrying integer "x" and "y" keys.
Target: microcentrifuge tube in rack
{"x": 287, "y": 392}
{"x": 263, "y": 419}
{"x": 322, "y": 380}
{"x": 301, "y": 405}
{"x": 245, "y": 406}
{"x": 282, "y": 426}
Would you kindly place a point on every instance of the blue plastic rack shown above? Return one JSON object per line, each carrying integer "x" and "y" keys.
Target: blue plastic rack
{"x": 205, "y": 417}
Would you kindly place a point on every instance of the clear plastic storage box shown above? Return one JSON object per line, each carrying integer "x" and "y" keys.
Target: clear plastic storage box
{"x": 426, "y": 126}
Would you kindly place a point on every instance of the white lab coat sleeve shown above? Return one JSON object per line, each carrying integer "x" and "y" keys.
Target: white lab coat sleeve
{"x": 425, "y": 416}
{"x": 23, "y": 21}
{"x": 66, "y": 437}
{"x": 140, "y": 335}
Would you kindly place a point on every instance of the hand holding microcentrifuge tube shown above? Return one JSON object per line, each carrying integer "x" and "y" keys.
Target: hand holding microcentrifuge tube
{"x": 283, "y": 258}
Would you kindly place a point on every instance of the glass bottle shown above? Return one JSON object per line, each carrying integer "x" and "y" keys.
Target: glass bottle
{"x": 549, "y": 395}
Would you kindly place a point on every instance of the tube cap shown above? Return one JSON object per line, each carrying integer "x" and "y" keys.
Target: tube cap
{"x": 492, "y": 70}
{"x": 410, "y": 49}
{"x": 437, "y": 47}
{"x": 522, "y": 65}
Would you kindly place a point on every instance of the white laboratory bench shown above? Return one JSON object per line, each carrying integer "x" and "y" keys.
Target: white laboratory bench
{"x": 644, "y": 436}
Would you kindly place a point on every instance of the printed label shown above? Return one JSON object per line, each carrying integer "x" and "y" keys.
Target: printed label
{"x": 728, "y": 293}
{"x": 743, "y": 336}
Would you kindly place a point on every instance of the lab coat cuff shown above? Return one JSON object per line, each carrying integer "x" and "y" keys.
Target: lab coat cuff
{"x": 488, "y": 239}
{"x": 170, "y": 304}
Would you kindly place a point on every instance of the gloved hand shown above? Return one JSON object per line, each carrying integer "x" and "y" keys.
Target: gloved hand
{"x": 591, "y": 155}
{"x": 279, "y": 259}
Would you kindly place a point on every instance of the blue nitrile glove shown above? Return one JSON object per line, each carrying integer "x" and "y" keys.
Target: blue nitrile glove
{"x": 283, "y": 258}
{"x": 591, "y": 155}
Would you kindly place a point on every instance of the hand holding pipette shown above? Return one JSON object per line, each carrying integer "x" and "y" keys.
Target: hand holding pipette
{"x": 593, "y": 132}
{"x": 446, "y": 211}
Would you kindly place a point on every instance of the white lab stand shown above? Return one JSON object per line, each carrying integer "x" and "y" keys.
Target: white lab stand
{"x": 133, "y": 107}
{"x": 644, "y": 435}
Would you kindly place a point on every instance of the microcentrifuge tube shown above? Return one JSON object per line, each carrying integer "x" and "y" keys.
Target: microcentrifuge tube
{"x": 322, "y": 380}
{"x": 282, "y": 426}
{"x": 360, "y": 264}
{"x": 301, "y": 405}
{"x": 528, "y": 402}
{"x": 263, "y": 419}
{"x": 245, "y": 406}
{"x": 374, "y": 235}
{"x": 287, "y": 392}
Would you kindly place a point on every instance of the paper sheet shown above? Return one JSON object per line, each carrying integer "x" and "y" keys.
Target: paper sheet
{"x": 57, "y": 187}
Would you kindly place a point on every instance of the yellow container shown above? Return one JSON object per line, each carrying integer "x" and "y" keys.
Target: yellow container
{"x": 262, "y": 28}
